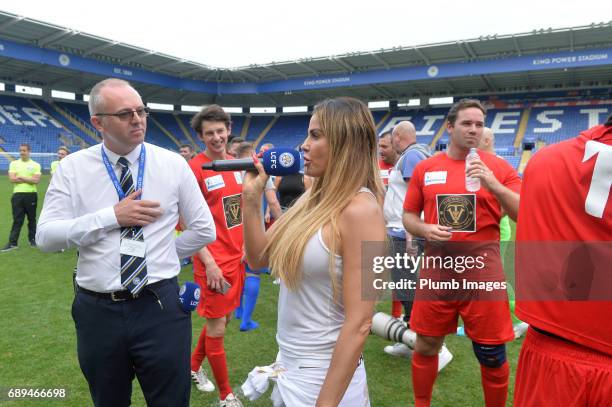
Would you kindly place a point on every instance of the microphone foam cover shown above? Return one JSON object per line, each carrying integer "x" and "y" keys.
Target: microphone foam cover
{"x": 281, "y": 161}
{"x": 189, "y": 295}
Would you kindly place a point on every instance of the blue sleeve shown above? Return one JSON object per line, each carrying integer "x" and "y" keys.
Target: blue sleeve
{"x": 411, "y": 159}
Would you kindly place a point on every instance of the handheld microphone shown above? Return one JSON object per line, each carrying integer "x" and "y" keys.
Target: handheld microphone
{"x": 276, "y": 161}
{"x": 189, "y": 295}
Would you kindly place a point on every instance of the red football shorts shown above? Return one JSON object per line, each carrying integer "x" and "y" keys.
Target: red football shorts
{"x": 214, "y": 304}
{"x": 485, "y": 322}
{"x": 553, "y": 372}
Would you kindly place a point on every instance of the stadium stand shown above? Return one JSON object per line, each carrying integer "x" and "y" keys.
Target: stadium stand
{"x": 238, "y": 123}
{"x": 81, "y": 114}
{"x": 22, "y": 122}
{"x": 553, "y": 122}
{"x": 427, "y": 122}
{"x": 168, "y": 122}
{"x": 380, "y": 117}
{"x": 45, "y": 127}
{"x": 184, "y": 121}
{"x": 79, "y": 138}
{"x": 288, "y": 131}
{"x": 258, "y": 124}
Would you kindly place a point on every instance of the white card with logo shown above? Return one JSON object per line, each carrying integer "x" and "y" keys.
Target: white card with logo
{"x": 131, "y": 247}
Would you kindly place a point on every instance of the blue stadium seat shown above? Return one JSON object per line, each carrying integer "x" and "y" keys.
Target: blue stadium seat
{"x": 552, "y": 124}
{"x": 288, "y": 131}
{"x": 21, "y": 121}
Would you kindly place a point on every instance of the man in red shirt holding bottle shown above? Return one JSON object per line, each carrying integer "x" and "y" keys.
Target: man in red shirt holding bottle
{"x": 453, "y": 214}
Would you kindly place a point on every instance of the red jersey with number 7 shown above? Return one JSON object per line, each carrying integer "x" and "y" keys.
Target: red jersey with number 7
{"x": 564, "y": 240}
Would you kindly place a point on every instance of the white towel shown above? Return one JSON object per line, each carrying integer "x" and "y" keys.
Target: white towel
{"x": 258, "y": 380}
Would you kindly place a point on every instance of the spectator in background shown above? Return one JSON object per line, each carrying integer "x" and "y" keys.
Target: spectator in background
{"x": 388, "y": 156}
{"x": 61, "y": 153}
{"x": 272, "y": 206}
{"x": 487, "y": 144}
{"x": 187, "y": 151}
{"x": 387, "y": 159}
{"x": 268, "y": 217}
{"x": 24, "y": 174}
{"x": 291, "y": 187}
{"x": 410, "y": 153}
{"x": 232, "y": 144}
{"x": 252, "y": 280}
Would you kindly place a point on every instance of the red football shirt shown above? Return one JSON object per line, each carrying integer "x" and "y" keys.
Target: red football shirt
{"x": 564, "y": 240}
{"x": 437, "y": 187}
{"x": 385, "y": 170}
{"x": 222, "y": 192}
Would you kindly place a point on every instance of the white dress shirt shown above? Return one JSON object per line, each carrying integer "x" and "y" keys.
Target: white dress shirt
{"x": 397, "y": 186}
{"x": 78, "y": 211}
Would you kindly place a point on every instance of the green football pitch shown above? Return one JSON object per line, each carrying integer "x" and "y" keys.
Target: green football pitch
{"x": 38, "y": 344}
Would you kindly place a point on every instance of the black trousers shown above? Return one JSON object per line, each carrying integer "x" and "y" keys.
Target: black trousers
{"x": 148, "y": 338}
{"x": 23, "y": 203}
{"x": 406, "y": 297}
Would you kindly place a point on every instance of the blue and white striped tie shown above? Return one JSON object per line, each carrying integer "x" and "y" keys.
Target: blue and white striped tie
{"x": 133, "y": 268}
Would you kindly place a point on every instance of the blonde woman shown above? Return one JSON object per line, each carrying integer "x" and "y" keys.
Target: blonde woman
{"x": 315, "y": 249}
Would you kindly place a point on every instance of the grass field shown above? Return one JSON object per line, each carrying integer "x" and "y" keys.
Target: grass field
{"x": 38, "y": 345}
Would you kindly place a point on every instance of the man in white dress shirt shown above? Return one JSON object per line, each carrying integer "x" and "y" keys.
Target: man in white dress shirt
{"x": 118, "y": 203}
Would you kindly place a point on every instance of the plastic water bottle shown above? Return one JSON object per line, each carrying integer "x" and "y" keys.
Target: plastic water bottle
{"x": 471, "y": 184}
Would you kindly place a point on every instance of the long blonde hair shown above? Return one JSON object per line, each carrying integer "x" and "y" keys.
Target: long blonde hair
{"x": 349, "y": 129}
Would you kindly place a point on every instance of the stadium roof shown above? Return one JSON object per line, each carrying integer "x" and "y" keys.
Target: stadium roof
{"x": 43, "y": 35}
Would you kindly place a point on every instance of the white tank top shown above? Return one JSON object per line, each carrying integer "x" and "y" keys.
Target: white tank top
{"x": 309, "y": 320}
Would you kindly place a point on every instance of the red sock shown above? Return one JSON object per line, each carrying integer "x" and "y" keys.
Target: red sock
{"x": 218, "y": 364}
{"x": 495, "y": 384}
{"x": 424, "y": 373}
{"x": 396, "y": 309}
{"x": 199, "y": 353}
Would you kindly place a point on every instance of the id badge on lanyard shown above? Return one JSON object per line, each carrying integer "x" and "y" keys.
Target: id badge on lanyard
{"x": 132, "y": 247}
{"x": 128, "y": 245}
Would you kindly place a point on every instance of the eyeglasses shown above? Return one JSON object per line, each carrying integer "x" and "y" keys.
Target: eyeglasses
{"x": 129, "y": 114}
